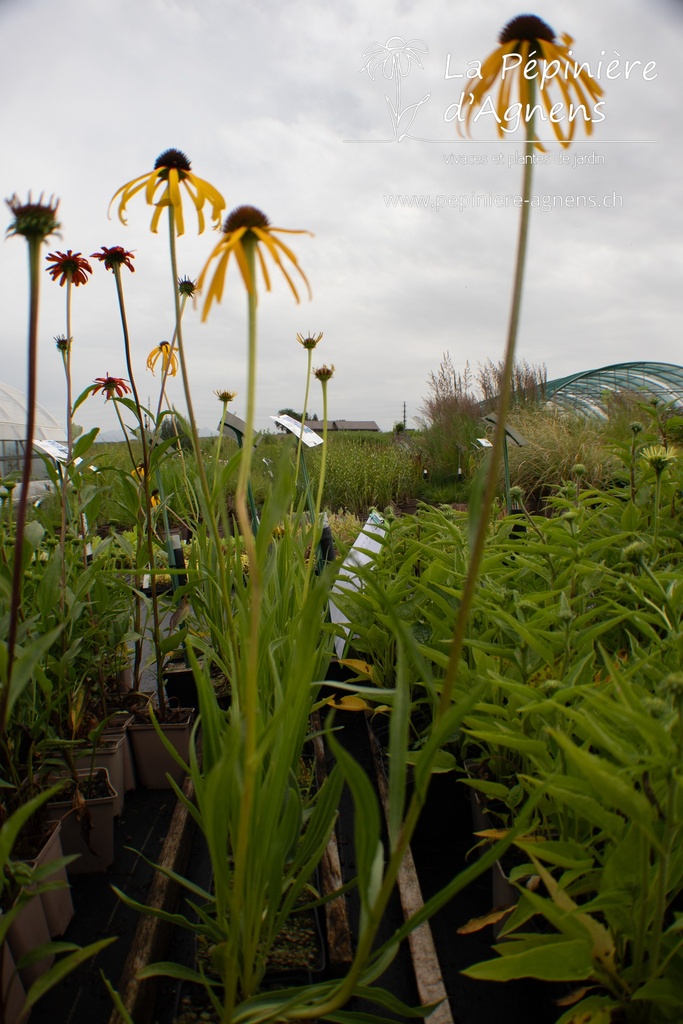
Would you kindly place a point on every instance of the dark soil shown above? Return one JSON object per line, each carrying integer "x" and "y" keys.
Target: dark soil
{"x": 440, "y": 849}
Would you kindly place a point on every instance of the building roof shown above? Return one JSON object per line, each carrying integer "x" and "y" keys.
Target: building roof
{"x": 318, "y": 425}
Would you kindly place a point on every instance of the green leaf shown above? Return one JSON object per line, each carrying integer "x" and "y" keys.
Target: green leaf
{"x": 663, "y": 991}
{"x": 116, "y": 1000}
{"x": 442, "y": 761}
{"x": 83, "y": 443}
{"x": 476, "y": 498}
{"x": 553, "y": 959}
{"x": 62, "y": 968}
{"x": 25, "y": 664}
{"x": 369, "y": 850}
{"x": 33, "y": 534}
{"x": 169, "y": 969}
{"x": 610, "y": 787}
{"x": 564, "y": 855}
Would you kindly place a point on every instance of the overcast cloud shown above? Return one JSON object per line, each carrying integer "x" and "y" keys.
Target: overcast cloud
{"x": 269, "y": 102}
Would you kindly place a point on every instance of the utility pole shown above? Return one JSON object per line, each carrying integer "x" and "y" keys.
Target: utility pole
{"x": 404, "y": 415}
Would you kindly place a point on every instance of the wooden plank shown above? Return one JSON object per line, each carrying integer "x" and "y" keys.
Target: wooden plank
{"x": 430, "y": 984}
{"x": 339, "y": 945}
{"x": 152, "y": 935}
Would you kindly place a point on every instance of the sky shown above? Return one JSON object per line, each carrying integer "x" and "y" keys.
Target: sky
{"x": 274, "y": 103}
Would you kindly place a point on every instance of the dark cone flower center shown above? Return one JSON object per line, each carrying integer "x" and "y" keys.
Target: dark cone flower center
{"x": 245, "y": 217}
{"x": 31, "y": 219}
{"x": 172, "y": 158}
{"x": 526, "y": 28}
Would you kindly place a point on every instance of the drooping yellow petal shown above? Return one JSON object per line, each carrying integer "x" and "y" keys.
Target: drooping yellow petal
{"x": 243, "y": 264}
{"x": 156, "y": 217}
{"x": 546, "y": 49}
{"x": 264, "y": 268}
{"x": 127, "y": 192}
{"x": 215, "y": 292}
{"x": 152, "y": 181}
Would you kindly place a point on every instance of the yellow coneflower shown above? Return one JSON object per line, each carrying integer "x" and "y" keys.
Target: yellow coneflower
{"x": 310, "y": 341}
{"x": 244, "y": 221}
{"x": 324, "y": 373}
{"x": 168, "y": 357}
{"x": 658, "y": 457}
{"x": 544, "y": 64}
{"x": 171, "y": 170}
{"x": 225, "y": 396}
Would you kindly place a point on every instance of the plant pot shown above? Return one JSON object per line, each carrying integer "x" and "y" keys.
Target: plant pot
{"x": 503, "y": 892}
{"x": 58, "y": 905}
{"x": 118, "y": 727}
{"x": 13, "y": 992}
{"x": 89, "y": 833}
{"x": 181, "y": 688}
{"x": 27, "y": 932}
{"x": 110, "y": 755}
{"x": 152, "y": 761}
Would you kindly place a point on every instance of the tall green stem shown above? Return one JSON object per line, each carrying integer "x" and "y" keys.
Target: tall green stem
{"x": 496, "y": 452}
{"x": 203, "y": 482}
{"x": 149, "y": 528}
{"x": 299, "y": 446}
{"x": 250, "y": 650}
{"x": 367, "y": 938}
{"x": 315, "y": 536}
{"x": 67, "y": 367}
{"x": 34, "y": 243}
{"x": 66, "y": 471}
{"x": 655, "y": 510}
{"x": 165, "y": 371}
{"x": 219, "y": 445}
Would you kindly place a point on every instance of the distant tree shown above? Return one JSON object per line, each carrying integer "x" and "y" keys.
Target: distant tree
{"x": 295, "y": 416}
{"x": 173, "y": 427}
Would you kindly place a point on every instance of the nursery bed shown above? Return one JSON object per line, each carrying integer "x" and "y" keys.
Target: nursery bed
{"x": 99, "y": 913}
{"x": 440, "y": 848}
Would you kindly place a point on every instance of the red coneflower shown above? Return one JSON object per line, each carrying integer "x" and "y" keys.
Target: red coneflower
{"x": 110, "y": 387}
{"x": 68, "y": 266}
{"x": 116, "y": 256}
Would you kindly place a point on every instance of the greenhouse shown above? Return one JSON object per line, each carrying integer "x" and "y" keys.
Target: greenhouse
{"x": 13, "y": 415}
{"x": 590, "y": 391}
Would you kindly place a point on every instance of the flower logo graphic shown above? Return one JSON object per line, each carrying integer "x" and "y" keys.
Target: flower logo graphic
{"x": 395, "y": 58}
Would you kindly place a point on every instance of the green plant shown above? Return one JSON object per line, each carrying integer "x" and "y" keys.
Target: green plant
{"x": 609, "y": 900}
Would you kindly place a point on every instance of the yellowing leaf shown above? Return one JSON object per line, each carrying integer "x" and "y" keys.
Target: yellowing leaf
{"x": 362, "y": 668}
{"x": 350, "y": 702}
{"x": 475, "y": 924}
{"x": 493, "y": 833}
{"x": 500, "y": 833}
{"x": 603, "y": 946}
{"x": 574, "y": 997}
